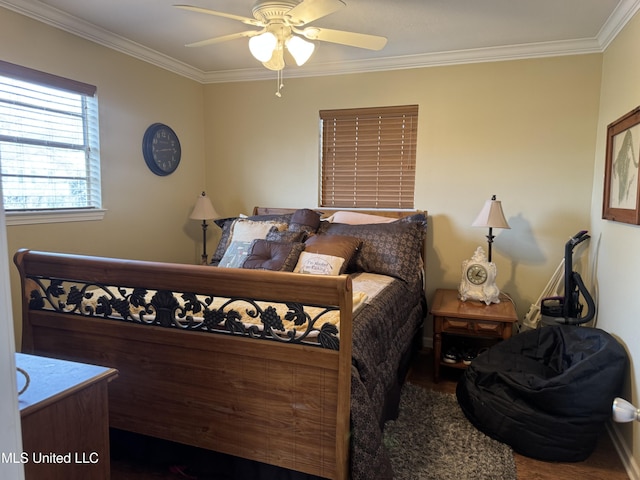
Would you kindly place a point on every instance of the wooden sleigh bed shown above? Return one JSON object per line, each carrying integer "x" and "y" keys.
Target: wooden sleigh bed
{"x": 294, "y": 370}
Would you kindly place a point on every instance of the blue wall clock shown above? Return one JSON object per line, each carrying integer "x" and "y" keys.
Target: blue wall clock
{"x": 161, "y": 149}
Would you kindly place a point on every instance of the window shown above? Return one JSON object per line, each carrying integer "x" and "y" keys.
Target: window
{"x": 49, "y": 147}
{"x": 368, "y": 157}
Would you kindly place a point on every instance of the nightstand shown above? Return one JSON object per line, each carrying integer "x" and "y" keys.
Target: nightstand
{"x": 471, "y": 321}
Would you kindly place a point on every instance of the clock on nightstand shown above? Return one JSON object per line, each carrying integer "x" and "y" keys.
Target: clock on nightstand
{"x": 479, "y": 279}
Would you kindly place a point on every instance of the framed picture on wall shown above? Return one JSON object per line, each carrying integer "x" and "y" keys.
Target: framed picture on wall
{"x": 621, "y": 200}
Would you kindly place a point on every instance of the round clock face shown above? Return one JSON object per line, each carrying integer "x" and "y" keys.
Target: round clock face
{"x": 476, "y": 274}
{"x": 161, "y": 149}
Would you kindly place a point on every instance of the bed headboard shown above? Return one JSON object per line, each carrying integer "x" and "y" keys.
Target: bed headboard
{"x": 326, "y": 212}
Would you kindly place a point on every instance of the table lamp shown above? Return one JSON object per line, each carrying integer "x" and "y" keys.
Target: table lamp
{"x": 204, "y": 211}
{"x": 491, "y": 216}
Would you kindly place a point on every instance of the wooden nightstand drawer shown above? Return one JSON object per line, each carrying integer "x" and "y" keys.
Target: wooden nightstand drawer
{"x": 471, "y": 327}
{"x": 495, "y": 329}
{"x": 456, "y": 325}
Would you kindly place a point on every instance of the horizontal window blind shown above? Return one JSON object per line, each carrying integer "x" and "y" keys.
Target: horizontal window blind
{"x": 49, "y": 141}
{"x": 368, "y": 157}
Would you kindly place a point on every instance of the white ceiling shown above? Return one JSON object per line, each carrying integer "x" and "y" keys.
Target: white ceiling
{"x": 419, "y": 32}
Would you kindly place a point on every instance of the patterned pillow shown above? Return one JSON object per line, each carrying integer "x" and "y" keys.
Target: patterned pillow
{"x": 387, "y": 248}
{"x": 235, "y": 255}
{"x": 268, "y": 255}
{"x": 305, "y": 220}
{"x": 225, "y": 224}
{"x": 289, "y": 236}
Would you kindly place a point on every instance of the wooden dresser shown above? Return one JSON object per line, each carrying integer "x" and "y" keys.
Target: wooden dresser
{"x": 65, "y": 419}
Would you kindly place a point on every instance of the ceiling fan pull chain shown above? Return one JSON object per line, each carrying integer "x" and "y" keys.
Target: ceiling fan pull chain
{"x": 280, "y": 83}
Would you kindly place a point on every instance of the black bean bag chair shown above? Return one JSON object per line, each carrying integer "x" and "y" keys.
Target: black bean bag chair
{"x": 547, "y": 392}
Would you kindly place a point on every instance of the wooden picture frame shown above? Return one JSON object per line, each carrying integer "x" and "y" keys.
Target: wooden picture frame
{"x": 621, "y": 199}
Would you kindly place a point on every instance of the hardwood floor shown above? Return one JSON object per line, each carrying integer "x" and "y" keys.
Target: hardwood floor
{"x": 604, "y": 463}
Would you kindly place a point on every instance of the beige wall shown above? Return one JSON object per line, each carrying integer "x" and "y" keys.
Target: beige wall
{"x": 524, "y": 130}
{"x": 147, "y": 215}
{"x": 616, "y": 244}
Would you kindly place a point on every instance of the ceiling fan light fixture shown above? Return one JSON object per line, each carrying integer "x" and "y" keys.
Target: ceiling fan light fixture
{"x": 276, "y": 62}
{"x": 300, "y": 49}
{"x": 281, "y": 23}
{"x": 263, "y": 46}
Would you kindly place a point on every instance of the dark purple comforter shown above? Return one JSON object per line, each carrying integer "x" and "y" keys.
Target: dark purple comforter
{"x": 383, "y": 335}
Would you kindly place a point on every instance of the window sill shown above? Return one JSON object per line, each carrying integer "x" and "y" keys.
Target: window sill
{"x": 58, "y": 216}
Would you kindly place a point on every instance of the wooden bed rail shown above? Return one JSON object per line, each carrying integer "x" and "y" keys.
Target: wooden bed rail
{"x": 201, "y": 279}
{"x": 282, "y": 404}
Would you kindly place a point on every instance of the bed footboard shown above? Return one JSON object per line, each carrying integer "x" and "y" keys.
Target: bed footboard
{"x": 284, "y": 403}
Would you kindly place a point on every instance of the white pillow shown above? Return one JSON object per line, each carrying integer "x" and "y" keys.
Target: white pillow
{"x": 247, "y": 230}
{"x": 356, "y": 218}
{"x": 318, "y": 264}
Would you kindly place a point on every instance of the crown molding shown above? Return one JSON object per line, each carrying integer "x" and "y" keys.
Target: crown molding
{"x": 58, "y": 19}
{"x": 620, "y": 16}
{"x": 478, "y": 55}
{"x": 68, "y": 23}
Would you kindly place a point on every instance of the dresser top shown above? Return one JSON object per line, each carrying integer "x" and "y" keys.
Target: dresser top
{"x": 51, "y": 379}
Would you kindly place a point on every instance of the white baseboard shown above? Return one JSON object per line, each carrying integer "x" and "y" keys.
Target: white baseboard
{"x": 629, "y": 463}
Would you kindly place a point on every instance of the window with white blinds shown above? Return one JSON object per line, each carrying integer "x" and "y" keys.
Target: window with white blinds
{"x": 49, "y": 142}
{"x": 369, "y": 157}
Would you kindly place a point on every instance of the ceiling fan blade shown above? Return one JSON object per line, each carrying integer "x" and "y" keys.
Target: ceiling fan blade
{"x": 310, "y": 10}
{"x": 359, "y": 40}
{"x": 224, "y": 38}
{"x": 246, "y": 20}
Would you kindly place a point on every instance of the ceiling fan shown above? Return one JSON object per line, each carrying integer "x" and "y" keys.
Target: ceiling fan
{"x": 280, "y": 24}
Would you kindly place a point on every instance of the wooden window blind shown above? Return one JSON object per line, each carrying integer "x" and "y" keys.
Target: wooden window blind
{"x": 368, "y": 157}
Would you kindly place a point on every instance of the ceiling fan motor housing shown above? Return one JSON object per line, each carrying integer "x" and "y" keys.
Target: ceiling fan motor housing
{"x": 266, "y": 11}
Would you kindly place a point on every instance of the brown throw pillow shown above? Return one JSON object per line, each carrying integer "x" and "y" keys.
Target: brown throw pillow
{"x": 334, "y": 245}
{"x": 267, "y": 255}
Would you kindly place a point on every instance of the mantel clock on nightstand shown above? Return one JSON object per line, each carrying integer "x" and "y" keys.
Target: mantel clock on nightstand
{"x": 456, "y": 322}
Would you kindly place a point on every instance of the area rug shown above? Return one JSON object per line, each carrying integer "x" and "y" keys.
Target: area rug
{"x": 433, "y": 440}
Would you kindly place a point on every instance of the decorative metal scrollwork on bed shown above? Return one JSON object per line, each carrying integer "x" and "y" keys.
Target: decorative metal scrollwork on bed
{"x": 237, "y": 316}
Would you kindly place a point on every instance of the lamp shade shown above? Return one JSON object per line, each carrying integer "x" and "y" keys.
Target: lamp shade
{"x": 299, "y": 49}
{"x": 491, "y": 215}
{"x": 262, "y": 46}
{"x": 204, "y": 209}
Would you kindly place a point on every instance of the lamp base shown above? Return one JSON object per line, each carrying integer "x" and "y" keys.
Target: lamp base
{"x": 204, "y": 258}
